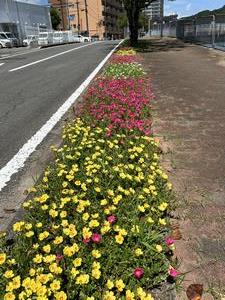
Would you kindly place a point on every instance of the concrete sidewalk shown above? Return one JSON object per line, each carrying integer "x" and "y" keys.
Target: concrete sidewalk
{"x": 189, "y": 83}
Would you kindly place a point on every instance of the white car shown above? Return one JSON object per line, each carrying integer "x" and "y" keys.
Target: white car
{"x": 11, "y": 37}
{"x": 4, "y": 42}
{"x": 81, "y": 39}
{"x": 30, "y": 40}
{"x": 45, "y": 38}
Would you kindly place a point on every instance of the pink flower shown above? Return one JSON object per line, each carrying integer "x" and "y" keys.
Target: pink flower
{"x": 173, "y": 272}
{"x": 96, "y": 238}
{"x": 86, "y": 241}
{"x": 59, "y": 257}
{"x": 169, "y": 241}
{"x": 138, "y": 273}
{"x": 111, "y": 219}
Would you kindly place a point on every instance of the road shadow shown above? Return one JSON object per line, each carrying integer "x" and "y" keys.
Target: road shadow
{"x": 160, "y": 45}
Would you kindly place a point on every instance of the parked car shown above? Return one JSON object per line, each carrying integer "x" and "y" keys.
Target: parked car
{"x": 10, "y": 36}
{"x": 57, "y": 37}
{"x": 30, "y": 40}
{"x": 4, "y": 42}
{"x": 81, "y": 39}
{"x": 45, "y": 38}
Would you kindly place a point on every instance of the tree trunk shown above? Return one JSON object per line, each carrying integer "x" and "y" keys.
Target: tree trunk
{"x": 133, "y": 18}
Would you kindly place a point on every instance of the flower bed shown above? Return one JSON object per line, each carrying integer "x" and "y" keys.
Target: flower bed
{"x": 96, "y": 227}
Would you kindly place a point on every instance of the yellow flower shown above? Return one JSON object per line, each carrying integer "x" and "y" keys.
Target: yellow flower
{"x": 47, "y": 248}
{"x": 150, "y": 220}
{"x": 120, "y": 285}
{"x": 74, "y": 272}
{"x": 138, "y": 252}
{"x": 90, "y": 298}
{"x": 96, "y": 273}
{"x": 109, "y": 284}
{"x": 96, "y": 253}
{"x": 85, "y": 216}
{"x": 130, "y": 295}
{"x": 135, "y": 229}
{"x": 53, "y": 213}
{"x": 163, "y": 206}
{"x": 77, "y": 262}
{"x": 54, "y": 268}
{"x": 63, "y": 214}
{"x": 18, "y": 226}
{"x": 86, "y": 233}
{"x": 55, "y": 285}
{"x": 162, "y": 221}
{"x": 58, "y": 240}
{"x": 93, "y": 223}
{"x": 37, "y": 259}
{"x": 119, "y": 239}
{"x": 9, "y": 296}
{"x": 169, "y": 185}
{"x": 70, "y": 231}
{"x": 82, "y": 279}
{"x": 97, "y": 189}
{"x": 104, "y": 202}
{"x": 60, "y": 296}
{"x": 8, "y": 274}
{"x": 141, "y": 208}
{"x": 2, "y": 258}
{"x": 29, "y": 234}
{"x": 32, "y": 272}
{"x": 16, "y": 282}
{"x": 109, "y": 296}
{"x": 159, "y": 248}
{"x": 43, "y": 235}
{"x": 49, "y": 258}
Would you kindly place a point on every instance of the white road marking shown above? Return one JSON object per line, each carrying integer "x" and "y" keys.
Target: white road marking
{"x": 1, "y": 64}
{"x": 5, "y": 56}
{"x": 50, "y": 57}
{"x": 18, "y": 160}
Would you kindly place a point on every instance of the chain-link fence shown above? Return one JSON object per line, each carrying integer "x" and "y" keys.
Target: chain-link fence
{"x": 207, "y": 30}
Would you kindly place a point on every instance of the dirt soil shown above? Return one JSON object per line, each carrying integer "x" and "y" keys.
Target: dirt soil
{"x": 189, "y": 113}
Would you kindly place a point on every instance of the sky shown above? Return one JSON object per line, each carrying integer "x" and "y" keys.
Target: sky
{"x": 181, "y": 7}
{"x": 189, "y": 7}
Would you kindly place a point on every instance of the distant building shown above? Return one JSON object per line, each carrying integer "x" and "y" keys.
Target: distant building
{"x": 153, "y": 11}
{"x": 23, "y": 18}
{"x": 102, "y": 17}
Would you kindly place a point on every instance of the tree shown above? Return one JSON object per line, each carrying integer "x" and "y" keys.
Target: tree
{"x": 133, "y": 9}
{"x": 122, "y": 21}
{"x": 55, "y": 17}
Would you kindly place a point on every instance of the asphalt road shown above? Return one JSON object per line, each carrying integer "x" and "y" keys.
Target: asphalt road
{"x": 31, "y": 95}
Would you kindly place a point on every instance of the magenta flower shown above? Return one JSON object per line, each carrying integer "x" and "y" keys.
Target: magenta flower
{"x": 111, "y": 219}
{"x": 173, "y": 272}
{"x": 96, "y": 238}
{"x": 138, "y": 273}
{"x": 59, "y": 257}
{"x": 169, "y": 241}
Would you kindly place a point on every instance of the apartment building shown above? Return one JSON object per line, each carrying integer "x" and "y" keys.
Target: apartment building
{"x": 154, "y": 10}
{"x": 97, "y": 18}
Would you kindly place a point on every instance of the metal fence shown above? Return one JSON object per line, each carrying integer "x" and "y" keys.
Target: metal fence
{"x": 209, "y": 31}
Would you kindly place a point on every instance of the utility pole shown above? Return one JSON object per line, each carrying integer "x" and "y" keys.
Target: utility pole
{"x": 105, "y": 20}
{"x": 78, "y": 17}
{"x": 68, "y": 14}
{"x": 86, "y": 13}
{"x": 161, "y": 16}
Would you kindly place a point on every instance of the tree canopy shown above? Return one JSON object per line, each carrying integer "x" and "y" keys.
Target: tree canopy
{"x": 55, "y": 17}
